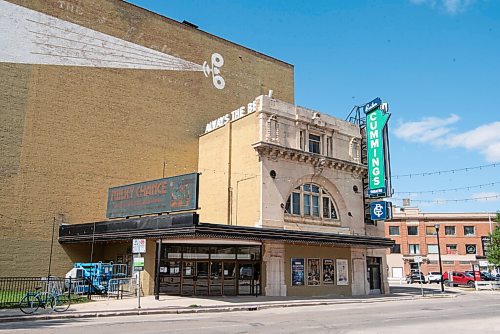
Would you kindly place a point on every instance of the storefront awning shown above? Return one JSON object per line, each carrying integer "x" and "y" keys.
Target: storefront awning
{"x": 187, "y": 226}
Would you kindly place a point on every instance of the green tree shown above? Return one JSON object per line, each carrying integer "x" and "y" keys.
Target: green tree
{"x": 494, "y": 247}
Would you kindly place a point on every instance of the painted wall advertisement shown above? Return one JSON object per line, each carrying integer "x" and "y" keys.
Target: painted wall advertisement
{"x": 297, "y": 272}
{"x": 313, "y": 272}
{"x": 377, "y": 148}
{"x": 178, "y": 193}
{"x": 328, "y": 271}
{"x": 342, "y": 272}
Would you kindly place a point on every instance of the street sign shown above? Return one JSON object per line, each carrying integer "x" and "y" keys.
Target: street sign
{"x": 418, "y": 259}
{"x": 138, "y": 246}
{"x": 380, "y": 210}
{"x": 138, "y": 263}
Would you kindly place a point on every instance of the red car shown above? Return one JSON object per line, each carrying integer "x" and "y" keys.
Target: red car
{"x": 458, "y": 278}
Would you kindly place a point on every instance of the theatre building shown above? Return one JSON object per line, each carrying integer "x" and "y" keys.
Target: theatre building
{"x": 120, "y": 124}
{"x": 280, "y": 211}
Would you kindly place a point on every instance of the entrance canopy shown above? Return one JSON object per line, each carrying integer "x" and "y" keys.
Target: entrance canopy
{"x": 187, "y": 226}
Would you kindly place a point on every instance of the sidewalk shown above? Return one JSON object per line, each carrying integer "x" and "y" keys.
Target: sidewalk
{"x": 178, "y": 304}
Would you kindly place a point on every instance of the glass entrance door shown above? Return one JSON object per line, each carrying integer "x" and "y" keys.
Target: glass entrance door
{"x": 170, "y": 277}
{"x": 374, "y": 274}
{"x": 245, "y": 279}
{"x": 201, "y": 279}
{"x": 215, "y": 278}
{"x": 188, "y": 278}
{"x": 229, "y": 278}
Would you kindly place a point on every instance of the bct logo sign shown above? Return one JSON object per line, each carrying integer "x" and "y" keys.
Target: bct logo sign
{"x": 380, "y": 210}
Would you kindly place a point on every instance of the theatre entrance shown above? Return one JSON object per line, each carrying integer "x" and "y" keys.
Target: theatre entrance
{"x": 210, "y": 270}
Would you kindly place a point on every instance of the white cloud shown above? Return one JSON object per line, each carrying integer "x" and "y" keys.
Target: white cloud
{"x": 485, "y": 139}
{"x": 428, "y": 129}
{"x": 437, "y": 131}
{"x": 451, "y": 7}
{"x": 487, "y": 196}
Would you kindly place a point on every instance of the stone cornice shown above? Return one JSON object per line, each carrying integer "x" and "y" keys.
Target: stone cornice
{"x": 274, "y": 151}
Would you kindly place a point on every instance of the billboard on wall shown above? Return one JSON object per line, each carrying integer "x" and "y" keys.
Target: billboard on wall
{"x": 171, "y": 194}
{"x": 377, "y": 149}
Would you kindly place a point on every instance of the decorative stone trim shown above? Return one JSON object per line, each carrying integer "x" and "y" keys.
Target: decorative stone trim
{"x": 274, "y": 152}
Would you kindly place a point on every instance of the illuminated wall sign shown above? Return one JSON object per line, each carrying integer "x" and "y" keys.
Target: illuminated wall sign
{"x": 177, "y": 193}
{"x": 372, "y": 105}
{"x": 377, "y": 149}
{"x": 230, "y": 117}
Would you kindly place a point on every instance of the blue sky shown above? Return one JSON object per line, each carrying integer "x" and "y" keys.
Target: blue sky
{"x": 436, "y": 62}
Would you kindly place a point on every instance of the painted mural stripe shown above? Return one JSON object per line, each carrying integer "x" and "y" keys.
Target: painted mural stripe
{"x": 31, "y": 37}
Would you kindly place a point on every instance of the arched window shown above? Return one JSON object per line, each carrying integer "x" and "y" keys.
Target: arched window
{"x": 310, "y": 200}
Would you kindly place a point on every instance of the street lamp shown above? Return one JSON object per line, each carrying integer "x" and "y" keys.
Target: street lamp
{"x": 436, "y": 226}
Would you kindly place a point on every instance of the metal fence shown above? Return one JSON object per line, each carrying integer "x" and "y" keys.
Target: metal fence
{"x": 122, "y": 287}
{"x": 13, "y": 289}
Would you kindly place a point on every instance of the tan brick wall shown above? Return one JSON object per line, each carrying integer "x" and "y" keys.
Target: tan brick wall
{"x": 235, "y": 185}
{"x": 321, "y": 252}
{"x": 70, "y": 133}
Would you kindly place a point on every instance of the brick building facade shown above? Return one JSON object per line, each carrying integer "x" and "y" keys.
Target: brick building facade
{"x": 462, "y": 238}
{"x": 96, "y": 94}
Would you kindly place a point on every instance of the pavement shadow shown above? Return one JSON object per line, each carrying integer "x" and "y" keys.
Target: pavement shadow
{"x": 35, "y": 324}
{"x": 415, "y": 290}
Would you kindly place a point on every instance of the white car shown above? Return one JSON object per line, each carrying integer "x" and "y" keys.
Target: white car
{"x": 433, "y": 277}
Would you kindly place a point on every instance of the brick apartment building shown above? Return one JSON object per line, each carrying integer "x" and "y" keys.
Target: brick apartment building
{"x": 463, "y": 238}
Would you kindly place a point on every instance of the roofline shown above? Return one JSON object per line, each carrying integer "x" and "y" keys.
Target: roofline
{"x": 187, "y": 225}
{"x": 184, "y": 26}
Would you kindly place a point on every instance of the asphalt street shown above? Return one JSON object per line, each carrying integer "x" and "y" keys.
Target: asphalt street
{"x": 477, "y": 312}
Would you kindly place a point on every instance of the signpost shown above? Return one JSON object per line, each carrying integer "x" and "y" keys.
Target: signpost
{"x": 138, "y": 247}
{"x": 419, "y": 259}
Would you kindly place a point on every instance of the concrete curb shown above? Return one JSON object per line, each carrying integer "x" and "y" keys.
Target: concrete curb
{"x": 207, "y": 309}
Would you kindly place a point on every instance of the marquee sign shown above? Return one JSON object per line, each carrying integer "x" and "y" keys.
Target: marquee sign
{"x": 377, "y": 148}
{"x": 178, "y": 193}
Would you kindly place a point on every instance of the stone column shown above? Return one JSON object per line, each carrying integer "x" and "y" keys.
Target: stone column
{"x": 274, "y": 255}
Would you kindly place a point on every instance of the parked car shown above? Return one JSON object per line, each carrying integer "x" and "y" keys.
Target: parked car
{"x": 415, "y": 277}
{"x": 459, "y": 278}
{"x": 433, "y": 277}
{"x": 484, "y": 275}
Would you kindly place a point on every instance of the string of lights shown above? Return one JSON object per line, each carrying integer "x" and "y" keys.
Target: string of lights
{"x": 447, "y": 171}
{"x": 445, "y": 201}
{"x": 484, "y": 185}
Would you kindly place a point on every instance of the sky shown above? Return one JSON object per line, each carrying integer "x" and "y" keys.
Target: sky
{"x": 435, "y": 62}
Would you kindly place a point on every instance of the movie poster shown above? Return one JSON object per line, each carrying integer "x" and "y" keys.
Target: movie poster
{"x": 313, "y": 272}
{"x": 328, "y": 271}
{"x": 342, "y": 272}
{"x": 297, "y": 272}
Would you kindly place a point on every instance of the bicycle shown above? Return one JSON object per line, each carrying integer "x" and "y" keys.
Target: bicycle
{"x": 30, "y": 303}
